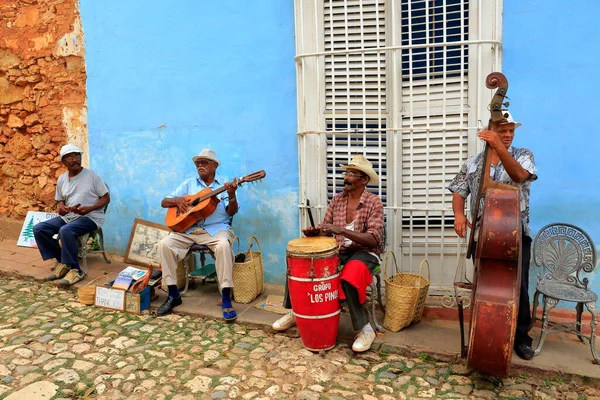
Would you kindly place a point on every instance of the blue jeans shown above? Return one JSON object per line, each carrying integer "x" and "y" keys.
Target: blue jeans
{"x": 68, "y": 234}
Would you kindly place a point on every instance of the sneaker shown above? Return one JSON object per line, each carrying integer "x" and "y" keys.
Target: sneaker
{"x": 363, "y": 341}
{"x": 285, "y": 322}
{"x": 71, "y": 278}
{"x": 60, "y": 270}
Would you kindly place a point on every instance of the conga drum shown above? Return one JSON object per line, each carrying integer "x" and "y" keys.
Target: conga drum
{"x": 313, "y": 286}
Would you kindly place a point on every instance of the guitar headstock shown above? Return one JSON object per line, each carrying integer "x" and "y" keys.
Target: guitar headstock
{"x": 253, "y": 177}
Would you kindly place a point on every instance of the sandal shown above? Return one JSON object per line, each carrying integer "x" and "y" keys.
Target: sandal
{"x": 229, "y": 314}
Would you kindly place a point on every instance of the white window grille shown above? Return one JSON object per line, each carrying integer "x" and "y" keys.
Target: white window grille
{"x": 402, "y": 82}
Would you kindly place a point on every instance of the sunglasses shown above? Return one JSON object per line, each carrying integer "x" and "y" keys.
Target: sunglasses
{"x": 72, "y": 156}
{"x": 353, "y": 175}
{"x": 204, "y": 162}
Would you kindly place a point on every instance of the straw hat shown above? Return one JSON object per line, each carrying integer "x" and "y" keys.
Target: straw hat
{"x": 360, "y": 163}
{"x": 69, "y": 148}
{"x": 207, "y": 154}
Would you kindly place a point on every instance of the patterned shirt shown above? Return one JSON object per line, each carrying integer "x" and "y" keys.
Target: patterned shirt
{"x": 368, "y": 219}
{"x": 467, "y": 180}
{"x": 218, "y": 220}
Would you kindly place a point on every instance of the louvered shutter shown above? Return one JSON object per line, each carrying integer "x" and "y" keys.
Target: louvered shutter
{"x": 355, "y": 87}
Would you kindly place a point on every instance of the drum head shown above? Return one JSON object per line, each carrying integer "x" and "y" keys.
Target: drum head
{"x": 316, "y": 245}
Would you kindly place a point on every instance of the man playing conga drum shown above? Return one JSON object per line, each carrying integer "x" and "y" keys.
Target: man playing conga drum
{"x": 355, "y": 218}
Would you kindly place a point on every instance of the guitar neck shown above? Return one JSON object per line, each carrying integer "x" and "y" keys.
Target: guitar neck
{"x": 209, "y": 195}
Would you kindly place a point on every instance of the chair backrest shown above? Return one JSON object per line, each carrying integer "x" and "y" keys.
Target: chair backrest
{"x": 106, "y": 206}
{"x": 564, "y": 251}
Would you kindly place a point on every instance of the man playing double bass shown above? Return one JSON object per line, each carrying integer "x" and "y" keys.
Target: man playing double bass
{"x": 355, "y": 217}
{"x": 513, "y": 166}
{"x": 214, "y": 231}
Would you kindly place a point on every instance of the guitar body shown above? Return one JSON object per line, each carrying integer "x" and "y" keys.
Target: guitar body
{"x": 181, "y": 222}
{"x": 202, "y": 205}
{"x": 495, "y": 296}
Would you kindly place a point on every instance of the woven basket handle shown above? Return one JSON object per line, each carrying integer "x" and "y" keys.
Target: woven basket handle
{"x": 253, "y": 238}
{"x": 257, "y": 275}
{"x": 385, "y": 263}
{"x": 421, "y": 271}
{"x": 95, "y": 279}
{"x": 236, "y": 239}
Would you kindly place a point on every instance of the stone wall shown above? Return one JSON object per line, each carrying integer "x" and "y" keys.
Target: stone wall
{"x": 42, "y": 99}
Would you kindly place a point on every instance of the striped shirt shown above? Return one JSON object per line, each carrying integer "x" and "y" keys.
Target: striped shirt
{"x": 368, "y": 219}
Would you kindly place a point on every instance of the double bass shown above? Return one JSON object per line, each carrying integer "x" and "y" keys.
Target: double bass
{"x": 497, "y": 261}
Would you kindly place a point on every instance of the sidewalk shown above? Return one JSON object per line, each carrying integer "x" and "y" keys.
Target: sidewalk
{"x": 562, "y": 354}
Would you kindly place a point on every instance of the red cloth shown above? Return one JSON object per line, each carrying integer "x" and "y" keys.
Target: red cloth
{"x": 358, "y": 275}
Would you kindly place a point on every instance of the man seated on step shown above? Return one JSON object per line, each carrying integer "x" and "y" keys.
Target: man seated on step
{"x": 82, "y": 197}
{"x": 355, "y": 218}
{"x": 213, "y": 231}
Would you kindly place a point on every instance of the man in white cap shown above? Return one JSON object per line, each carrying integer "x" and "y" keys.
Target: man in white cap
{"x": 82, "y": 197}
{"x": 213, "y": 231}
{"x": 513, "y": 166}
{"x": 355, "y": 217}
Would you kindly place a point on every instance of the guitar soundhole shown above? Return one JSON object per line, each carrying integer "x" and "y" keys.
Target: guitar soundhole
{"x": 195, "y": 202}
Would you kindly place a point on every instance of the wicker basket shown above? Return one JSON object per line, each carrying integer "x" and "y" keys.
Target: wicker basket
{"x": 248, "y": 276}
{"x": 405, "y": 296}
{"x": 87, "y": 293}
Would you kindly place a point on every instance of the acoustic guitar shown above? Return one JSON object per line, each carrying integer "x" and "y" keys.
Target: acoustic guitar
{"x": 202, "y": 204}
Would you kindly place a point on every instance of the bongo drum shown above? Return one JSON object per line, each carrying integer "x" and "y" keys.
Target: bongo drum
{"x": 313, "y": 285}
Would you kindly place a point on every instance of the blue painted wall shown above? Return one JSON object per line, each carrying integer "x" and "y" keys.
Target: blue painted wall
{"x": 552, "y": 61}
{"x": 166, "y": 79}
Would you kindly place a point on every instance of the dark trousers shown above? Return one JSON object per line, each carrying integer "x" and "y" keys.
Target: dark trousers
{"x": 524, "y": 316}
{"x": 358, "y": 313}
{"x": 67, "y": 233}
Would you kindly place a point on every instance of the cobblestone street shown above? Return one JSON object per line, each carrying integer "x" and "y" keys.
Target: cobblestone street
{"x": 52, "y": 347}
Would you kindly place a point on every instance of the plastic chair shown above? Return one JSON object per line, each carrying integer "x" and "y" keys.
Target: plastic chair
{"x": 206, "y": 271}
{"x": 565, "y": 251}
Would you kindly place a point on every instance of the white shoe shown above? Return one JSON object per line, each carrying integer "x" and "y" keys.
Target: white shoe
{"x": 285, "y": 322}
{"x": 363, "y": 341}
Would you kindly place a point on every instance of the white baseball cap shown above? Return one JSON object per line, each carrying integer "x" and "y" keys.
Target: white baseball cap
{"x": 69, "y": 148}
{"x": 509, "y": 119}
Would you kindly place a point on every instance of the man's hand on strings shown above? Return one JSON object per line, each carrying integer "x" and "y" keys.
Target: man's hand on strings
{"x": 491, "y": 138}
{"x": 182, "y": 204}
{"x": 460, "y": 225}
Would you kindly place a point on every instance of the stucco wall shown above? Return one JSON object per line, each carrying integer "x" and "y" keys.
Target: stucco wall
{"x": 167, "y": 79}
{"x": 552, "y": 61}
{"x": 42, "y": 99}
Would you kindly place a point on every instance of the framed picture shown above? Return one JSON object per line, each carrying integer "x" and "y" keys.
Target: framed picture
{"x": 143, "y": 242}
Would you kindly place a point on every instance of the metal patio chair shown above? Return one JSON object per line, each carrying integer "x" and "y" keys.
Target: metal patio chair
{"x": 192, "y": 271}
{"x": 565, "y": 251}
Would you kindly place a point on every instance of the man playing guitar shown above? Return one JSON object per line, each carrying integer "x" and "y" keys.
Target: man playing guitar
{"x": 213, "y": 231}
